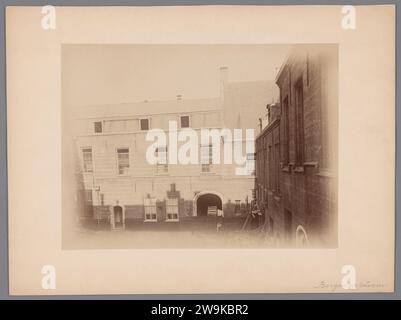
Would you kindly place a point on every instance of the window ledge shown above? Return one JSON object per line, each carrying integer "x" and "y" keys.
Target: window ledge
{"x": 299, "y": 169}
{"x": 285, "y": 168}
{"x": 326, "y": 173}
{"x": 311, "y": 164}
{"x": 277, "y": 197}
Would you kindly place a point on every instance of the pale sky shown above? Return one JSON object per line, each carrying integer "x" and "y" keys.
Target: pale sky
{"x": 108, "y": 74}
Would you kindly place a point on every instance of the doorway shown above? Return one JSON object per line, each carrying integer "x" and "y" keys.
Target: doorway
{"x": 118, "y": 217}
{"x": 208, "y": 203}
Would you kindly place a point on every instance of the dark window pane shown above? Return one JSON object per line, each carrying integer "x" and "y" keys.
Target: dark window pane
{"x": 144, "y": 124}
{"x": 98, "y": 127}
{"x": 185, "y": 122}
{"x": 299, "y": 122}
{"x": 88, "y": 196}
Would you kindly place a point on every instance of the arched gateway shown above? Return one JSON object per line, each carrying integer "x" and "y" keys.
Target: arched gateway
{"x": 205, "y": 199}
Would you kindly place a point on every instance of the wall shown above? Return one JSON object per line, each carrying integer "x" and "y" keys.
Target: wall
{"x": 306, "y": 191}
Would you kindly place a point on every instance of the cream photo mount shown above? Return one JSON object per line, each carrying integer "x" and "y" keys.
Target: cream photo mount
{"x": 362, "y": 262}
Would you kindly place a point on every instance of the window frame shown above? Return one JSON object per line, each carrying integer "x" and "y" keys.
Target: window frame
{"x": 249, "y": 161}
{"x": 152, "y": 204}
{"x": 83, "y": 160}
{"x": 170, "y": 206}
{"x": 101, "y": 126}
{"x": 286, "y": 116}
{"x": 208, "y": 165}
{"x": 237, "y": 206}
{"x": 161, "y": 164}
{"x": 118, "y": 160}
{"x": 140, "y": 124}
{"x": 189, "y": 121}
{"x": 299, "y": 122}
{"x": 88, "y": 197}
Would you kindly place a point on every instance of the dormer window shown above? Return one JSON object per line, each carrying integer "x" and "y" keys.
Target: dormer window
{"x": 184, "y": 121}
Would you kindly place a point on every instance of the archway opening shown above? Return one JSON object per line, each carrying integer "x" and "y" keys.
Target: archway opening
{"x": 118, "y": 216}
{"x": 208, "y": 203}
{"x": 301, "y": 237}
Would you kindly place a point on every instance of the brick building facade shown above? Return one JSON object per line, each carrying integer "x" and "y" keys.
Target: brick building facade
{"x": 296, "y": 153}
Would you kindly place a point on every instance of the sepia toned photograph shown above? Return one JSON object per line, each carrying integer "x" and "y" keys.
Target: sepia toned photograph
{"x": 202, "y": 146}
{"x": 200, "y": 149}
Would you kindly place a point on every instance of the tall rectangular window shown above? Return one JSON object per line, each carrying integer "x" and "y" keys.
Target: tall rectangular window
{"x": 88, "y": 197}
{"x": 265, "y": 164}
{"x": 237, "y": 207}
{"x": 206, "y": 157}
{"x": 328, "y": 119}
{"x": 299, "y": 123}
{"x": 161, "y": 154}
{"x": 98, "y": 127}
{"x": 144, "y": 123}
{"x": 287, "y": 224}
{"x": 270, "y": 168}
{"x": 150, "y": 210}
{"x": 123, "y": 160}
{"x": 184, "y": 121}
{"x": 87, "y": 159}
{"x": 277, "y": 166}
{"x": 88, "y": 207}
{"x": 172, "y": 209}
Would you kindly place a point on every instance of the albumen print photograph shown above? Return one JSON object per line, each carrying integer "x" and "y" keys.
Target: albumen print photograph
{"x": 200, "y": 149}
{"x": 199, "y": 146}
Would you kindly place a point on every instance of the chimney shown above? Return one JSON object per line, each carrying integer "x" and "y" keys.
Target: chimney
{"x": 223, "y": 80}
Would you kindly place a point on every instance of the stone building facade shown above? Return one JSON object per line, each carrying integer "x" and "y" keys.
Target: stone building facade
{"x": 119, "y": 184}
{"x": 296, "y": 166}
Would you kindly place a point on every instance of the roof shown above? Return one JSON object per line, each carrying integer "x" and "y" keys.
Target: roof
{"x": 147, "y": 108}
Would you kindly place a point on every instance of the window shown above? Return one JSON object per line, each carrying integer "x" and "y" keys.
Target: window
{"x": 277, "y": 166}
{"x": 299, "y": 123}
{"x": 286, "y": 131}
{"x": 123, "y": 160}
{"x": 144, "y": 124}
{"x": 288, "y": 224}
{"x": 206, "y": 157}
{"x": 150, "y": 210}
{"x": 87, "y": 159}
{"x": 237, "y": 208}
{"x": 184, "y": 121}
{"x": 98, "y": 127}
{"x": 270, "y": 169}
{"x": 102, "y": 199}
{"x": 328, "y": 75}
{"x": 162, "y": 166}
{"x": 265, "y": 164}
{"x": 250, "y": 163}
{"x": 172, "y": 209}
{"x": 88, "y": 197}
